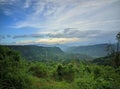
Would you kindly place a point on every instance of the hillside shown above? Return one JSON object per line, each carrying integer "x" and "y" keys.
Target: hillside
{"x": 32, "y": 52}
{"x": 98, "y": 50}
{"x": 40, "y": 53}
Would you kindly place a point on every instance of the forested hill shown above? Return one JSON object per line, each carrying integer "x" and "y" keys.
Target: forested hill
{"x": 98, "y": 50}
{"x": 40, "y": 53}
{"x": 32, "y": 52}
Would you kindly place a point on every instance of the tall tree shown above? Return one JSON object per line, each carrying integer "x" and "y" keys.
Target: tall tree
{"x": 118, "y": 41}
{"x": 117, "y": 58}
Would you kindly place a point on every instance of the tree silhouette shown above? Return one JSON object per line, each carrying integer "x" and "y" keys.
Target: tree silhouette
{"x": 118, "y": 41}
{"x": 117, "y": 59}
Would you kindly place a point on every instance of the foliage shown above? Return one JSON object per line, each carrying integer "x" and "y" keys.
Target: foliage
{"x": 12, "y": 70}
{"x": 38, "y": 69}
{"x": 17, "y": 73}
{"x": 66, "y": 72}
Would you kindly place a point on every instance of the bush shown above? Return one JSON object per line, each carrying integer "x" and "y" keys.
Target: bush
{"x": 12, "y": 71}
{"x": 38, "y": 70}
{"x": 66, "y": 72}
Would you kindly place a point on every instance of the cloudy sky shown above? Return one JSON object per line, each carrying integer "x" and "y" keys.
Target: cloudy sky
{"x": 69, "y": 22}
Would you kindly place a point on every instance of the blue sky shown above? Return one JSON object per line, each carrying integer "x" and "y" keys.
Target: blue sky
{"x": 69, "y": 22}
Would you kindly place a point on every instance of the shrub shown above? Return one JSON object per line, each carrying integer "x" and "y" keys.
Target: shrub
{"x": 12, "y": 70}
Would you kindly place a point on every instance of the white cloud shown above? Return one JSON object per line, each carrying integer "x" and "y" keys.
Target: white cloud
{"x": 50, "y": 41}
{"x": 53, "y": 16}
{"x": 6, "y": 1}
{"x": 27, "y": 4}
{"x": 7, "y": 12}
{"x": 56, "y": 14}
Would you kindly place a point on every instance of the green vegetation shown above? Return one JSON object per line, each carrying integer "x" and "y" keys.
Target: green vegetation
{"x": 32, "y": 52}
{"x": 45, "y": 54}
{"x": 13, "y": 69}
{"x": 97, "y": 50}
{"x": 18, "y": 73}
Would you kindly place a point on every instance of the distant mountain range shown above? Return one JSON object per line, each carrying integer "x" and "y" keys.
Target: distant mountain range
{"x": 98, "y": 50}
{"x": 33, "y": 52}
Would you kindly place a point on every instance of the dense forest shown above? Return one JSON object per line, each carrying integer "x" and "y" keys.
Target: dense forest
{"x": 16, "y": 72}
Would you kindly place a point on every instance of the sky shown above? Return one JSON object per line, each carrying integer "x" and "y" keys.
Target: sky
{"x": 59, "y": 22}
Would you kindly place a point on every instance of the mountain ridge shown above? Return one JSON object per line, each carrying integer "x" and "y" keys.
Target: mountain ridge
{"x": 40, "y": 53}
{"x": 33, "y": 52}
{"x": 97, "y": 50}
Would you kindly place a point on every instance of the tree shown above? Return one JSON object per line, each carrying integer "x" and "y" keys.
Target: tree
{"x": 59, "y": 71}
{"x": 117, "y": 59}
{"x": 12, "y": 70}
{"x": 110, "y": 49}
{"x": 118, "y": 41}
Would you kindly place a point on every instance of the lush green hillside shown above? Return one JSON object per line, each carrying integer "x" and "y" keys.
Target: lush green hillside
{"x": 91, "y": 50}
{"x": 32, "y": 52}
{"x": 16, "y": 73}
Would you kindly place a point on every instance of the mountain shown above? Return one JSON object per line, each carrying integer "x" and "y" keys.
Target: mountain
{"x": 32, "y": 52}
{"x": 40, "y": 53}
{"x": 61, "y": 46}
{"x": 98, "y": 50}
